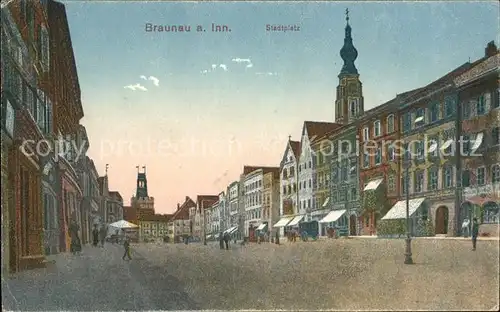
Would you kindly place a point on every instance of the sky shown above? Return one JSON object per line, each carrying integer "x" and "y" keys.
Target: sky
{"x": 195, "y": 127}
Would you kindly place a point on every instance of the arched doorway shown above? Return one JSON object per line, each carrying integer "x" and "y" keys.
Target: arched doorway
{"x": 352, "y": 225}
{"x": 441, "y": 220}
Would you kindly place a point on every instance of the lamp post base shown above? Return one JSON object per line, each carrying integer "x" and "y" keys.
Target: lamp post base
{"x": 408, "y": 258}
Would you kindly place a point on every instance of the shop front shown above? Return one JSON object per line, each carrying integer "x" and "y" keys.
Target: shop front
{"x": 482, "y": 203}
{"x": 49, "y": 199}
{"x": 8, "y": 119}
{"x": 69, "y": 203}
{"x": 335, "y": 223}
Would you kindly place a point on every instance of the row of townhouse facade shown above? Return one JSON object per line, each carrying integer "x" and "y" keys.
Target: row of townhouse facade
{"x": 439, "y": 142}
{"x": 434, "y": 149}
{"x": 247, "y": 206}
{"x": 48, "y": 181}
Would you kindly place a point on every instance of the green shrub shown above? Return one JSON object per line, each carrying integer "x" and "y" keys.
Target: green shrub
{"x": 391, "y": 227}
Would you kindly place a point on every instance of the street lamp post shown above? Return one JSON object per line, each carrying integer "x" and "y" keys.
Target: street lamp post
{"x": 408, "y": 258}
{"x": 204, "y": 223}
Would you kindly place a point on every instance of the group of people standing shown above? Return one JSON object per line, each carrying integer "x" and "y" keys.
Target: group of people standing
{"x": 224, "y": 238}
{"x": 99, "y": 235}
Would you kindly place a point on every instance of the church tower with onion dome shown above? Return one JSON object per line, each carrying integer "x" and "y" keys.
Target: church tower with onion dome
{"x": 349, "y": 104}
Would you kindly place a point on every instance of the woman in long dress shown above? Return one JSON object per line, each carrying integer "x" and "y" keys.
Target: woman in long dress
{"x": 76, "y": 245}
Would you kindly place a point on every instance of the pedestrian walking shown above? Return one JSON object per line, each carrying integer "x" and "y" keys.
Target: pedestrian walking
{"x": 221, "y": 240}
{"x": 95, "y": 236}
{"x": 277, "y": 239}
{"x": 227, "y": 238}
{"x": 475, "y": 232}
{"x": 75, "y": 246}
{"x": 103, "y": 232}
{"x": 126, "y": 245}
{"x": 465, "y": 227}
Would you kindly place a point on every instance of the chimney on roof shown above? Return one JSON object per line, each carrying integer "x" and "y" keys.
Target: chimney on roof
{"x": 491, "y": 49}
{"x": 178, "y": 206}
{"x": 187, "y": 198}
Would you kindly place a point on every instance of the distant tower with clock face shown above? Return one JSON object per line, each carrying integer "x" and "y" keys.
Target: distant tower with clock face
{"x": 349, "y": 103}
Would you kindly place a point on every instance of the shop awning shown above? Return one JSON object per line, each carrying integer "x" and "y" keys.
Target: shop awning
{"x": 230, "y": 230}
{"x": 283, "y": 222}
{"x": 398, "y": 211}
{"x": 234, "y": 229}
{"x": 478, "y": 140}
{"x": 209, "y": 235}
{"x": 447, "y": 144}
{"x": 326, "y": 201}
{"x": 332, "y": 216}
{"x": 373, "y": 185}
{"x": 262, "y": 226}
{"x": 295, "y": 220}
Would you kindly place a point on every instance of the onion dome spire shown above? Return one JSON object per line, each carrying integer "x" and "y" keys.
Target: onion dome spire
{"x": 348, "y": 52}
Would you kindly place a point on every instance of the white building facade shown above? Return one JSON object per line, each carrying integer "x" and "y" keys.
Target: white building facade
{"x": 306, "y": 164}
{"x": 288, "y": 191}
{"x": 253, "y": 186}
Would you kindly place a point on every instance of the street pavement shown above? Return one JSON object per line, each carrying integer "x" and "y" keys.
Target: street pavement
{"x": 347, "y": 274}
{"x": 96, "y": 280}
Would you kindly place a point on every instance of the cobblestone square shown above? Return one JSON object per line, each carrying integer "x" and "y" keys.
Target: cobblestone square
{"x": 342, "y": 274}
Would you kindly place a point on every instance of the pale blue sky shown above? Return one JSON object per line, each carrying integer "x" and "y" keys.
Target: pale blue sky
{"x": 401, "y": 46}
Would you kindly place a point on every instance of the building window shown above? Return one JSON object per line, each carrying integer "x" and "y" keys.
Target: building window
{"x": 447, "y": 177}
{"x": 419, "y": 182}
{"x": 495, "y": 173}
{"x": 449, "y": 106}
{"x": 432, "y": 182}
{"x": 496, "y": 101}
{"x": 334, "y": 174}
{"x": 378, "y": 156}
{"x": 406, "y": 152}
{"x": 45, "y": 49}
{"x": 466, "y": 178}
{"x": 419, "y": 149}
{"x": 434, "y": 112}
{"x": 343, "y": 195}
{"x": 481, "y": 176}
{"x": 419, "y": 117}
{"x": 366, "y": 134}
{"x": 376, "y": 128}
{"x": 391, "y": 183}
{"x": 390, "y": 124}
{"x": 480, "y": 106}
{"x": 366, "y": 160}
{"x": 344, "y": 168}
{"x": 406, "y": 122}
{"x": 354, "y": 194}
{"x": 468, "y": 108}
{"x": 495, "y": 135}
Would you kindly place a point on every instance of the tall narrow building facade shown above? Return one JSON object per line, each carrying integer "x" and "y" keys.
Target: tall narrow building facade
{"x": 349, "y": 103}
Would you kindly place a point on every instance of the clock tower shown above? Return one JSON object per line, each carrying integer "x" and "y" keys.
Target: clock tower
{"x": 349, "y": 103}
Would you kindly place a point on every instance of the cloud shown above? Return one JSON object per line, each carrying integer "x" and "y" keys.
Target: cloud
{"x": 240, "y": 60}
{"x": 267, "y": 74}
{"x": 155, "y": 80}
{"x": 243, "y": 61}
{"x": 136, "y": 87}
{"x": 214, "y": 68}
